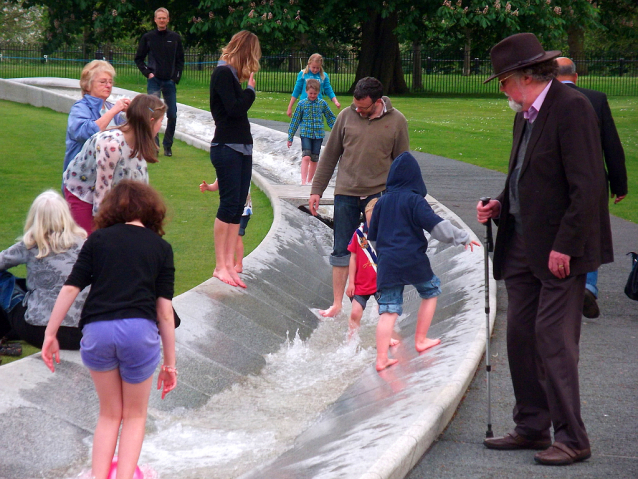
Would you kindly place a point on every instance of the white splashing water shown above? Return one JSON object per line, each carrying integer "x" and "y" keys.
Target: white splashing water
{"x": 259, "y": 418}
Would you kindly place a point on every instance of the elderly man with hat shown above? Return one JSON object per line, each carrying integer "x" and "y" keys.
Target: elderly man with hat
{"x": 553, "y": 227}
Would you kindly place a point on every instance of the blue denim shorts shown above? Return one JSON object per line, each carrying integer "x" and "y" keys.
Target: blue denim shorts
{"x": 132, "y": 345}
{"x": 391, "y": 299}
{"x": 311, "y": 147}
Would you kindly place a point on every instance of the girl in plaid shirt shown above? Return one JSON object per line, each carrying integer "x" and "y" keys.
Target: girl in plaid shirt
{"x": 309, "y": 115}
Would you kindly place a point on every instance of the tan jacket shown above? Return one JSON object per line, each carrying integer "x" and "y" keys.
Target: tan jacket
{"x": 364, "y": 150}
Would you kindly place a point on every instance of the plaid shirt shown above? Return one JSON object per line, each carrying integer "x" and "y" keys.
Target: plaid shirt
{"x": 309, "y": 114}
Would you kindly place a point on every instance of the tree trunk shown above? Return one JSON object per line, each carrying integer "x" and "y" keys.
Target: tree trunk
{"x": 576, "y": 44}
{"x": 467, "y": 54}
{"x": 379, "y": 56}
{"x": 417, "y": 69}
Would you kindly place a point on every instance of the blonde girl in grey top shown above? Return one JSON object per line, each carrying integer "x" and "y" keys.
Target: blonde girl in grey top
{"x": 49, "y": 248}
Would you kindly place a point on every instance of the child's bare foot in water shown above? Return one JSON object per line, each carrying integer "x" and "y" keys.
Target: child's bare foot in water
{"x": 331, "y": 312}
{"x": 426, "y": 344}
{"x": 384, "y": 363}
{"x": 224, "y": 276}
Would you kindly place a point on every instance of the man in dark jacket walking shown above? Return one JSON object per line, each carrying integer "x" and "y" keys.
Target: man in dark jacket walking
{"x": 614, "y": 162}
{"x": 164, "y": 69}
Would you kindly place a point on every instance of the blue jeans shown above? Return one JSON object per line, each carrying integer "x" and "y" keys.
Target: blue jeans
{"x": 155, "y": 86}
{"x": 391, "y": 299}
{"x": 234, "y": 172}
{"x": 347, "y": 217}
{"x": 592, "y": 282}
{"x": 311, "y": 147}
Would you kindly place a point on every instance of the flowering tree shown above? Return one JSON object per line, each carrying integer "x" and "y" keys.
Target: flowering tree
{"x": 18, "y": 24}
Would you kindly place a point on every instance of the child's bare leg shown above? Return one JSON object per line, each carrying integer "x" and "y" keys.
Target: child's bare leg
{"x": 355, "y": 318}
{"x": 239, "y": 255}
{"x": 304, "y": 170}
{"x": 424, "y": 318}
{"x": 384, "y": 333}
{"x": 108, "y": 385}
{"x": 221, "y": 238}
{"x": 135, "y": 407}
{"x": 312, "y": 168}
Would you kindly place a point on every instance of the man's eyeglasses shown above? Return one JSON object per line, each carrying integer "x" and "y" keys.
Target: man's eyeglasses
{"x": 365, "y": 108}
{"x": 502, "y": 82}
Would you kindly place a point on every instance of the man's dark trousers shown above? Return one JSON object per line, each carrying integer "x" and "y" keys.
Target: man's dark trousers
{"x": 155, "y": 86}
{"x": 543, "y": 332}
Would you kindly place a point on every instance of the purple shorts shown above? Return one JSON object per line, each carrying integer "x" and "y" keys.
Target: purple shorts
{"x": 132, "y": 345}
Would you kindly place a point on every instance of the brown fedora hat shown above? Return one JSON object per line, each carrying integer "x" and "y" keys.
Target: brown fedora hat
{"x": 518, "y": 51}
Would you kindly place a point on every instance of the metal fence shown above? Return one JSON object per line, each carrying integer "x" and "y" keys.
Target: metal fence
{"x": 424, "y": 73}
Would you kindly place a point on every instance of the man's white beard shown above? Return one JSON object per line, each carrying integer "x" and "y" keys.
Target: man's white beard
{"x": 517, "y": 107}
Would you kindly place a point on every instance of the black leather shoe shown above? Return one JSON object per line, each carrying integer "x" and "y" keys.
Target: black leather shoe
{"x": 513, "y": 440}
{"x": 590, "y": 306}
{"x": 168, "y": 151}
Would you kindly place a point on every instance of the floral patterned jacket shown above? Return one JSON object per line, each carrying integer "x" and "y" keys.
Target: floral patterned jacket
{"x": 45, "y": 278}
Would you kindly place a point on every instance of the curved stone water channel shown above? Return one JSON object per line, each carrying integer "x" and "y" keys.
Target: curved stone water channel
{"x": 266, "y": 390}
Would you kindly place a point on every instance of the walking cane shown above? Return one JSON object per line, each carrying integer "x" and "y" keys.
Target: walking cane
{"x": 488, "y": 248}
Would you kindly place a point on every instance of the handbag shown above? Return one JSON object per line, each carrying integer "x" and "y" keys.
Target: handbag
{"x": 631, "y": 288}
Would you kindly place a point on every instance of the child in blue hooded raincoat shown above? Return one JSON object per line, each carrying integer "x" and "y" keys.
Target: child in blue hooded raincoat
{"x": 397, "y": 225}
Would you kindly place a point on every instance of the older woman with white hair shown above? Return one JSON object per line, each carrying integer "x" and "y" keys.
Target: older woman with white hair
{"x": 93, "y": 113}
{"x": 49, "y": 248}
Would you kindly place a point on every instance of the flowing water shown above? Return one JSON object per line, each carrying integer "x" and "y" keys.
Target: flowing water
{"x": 259, "y": 418}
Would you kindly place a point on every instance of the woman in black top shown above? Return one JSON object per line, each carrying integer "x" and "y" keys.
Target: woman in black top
{"x": 232, "y": 146}
{"x": 127, "y": 314}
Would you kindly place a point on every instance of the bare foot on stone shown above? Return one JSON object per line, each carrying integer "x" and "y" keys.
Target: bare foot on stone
{"x": 239, "y": 268}
{"x": 394, "y": 342}
{"x": 426, "y": 344}
{"x": 237, "y": 279}
{"x": 331, "y": 312}
{"x": 224, "y": 276}
{"x": 382, "y": 364}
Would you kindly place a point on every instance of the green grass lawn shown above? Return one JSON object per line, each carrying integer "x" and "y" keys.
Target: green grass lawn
{"x": 32, "y": 146}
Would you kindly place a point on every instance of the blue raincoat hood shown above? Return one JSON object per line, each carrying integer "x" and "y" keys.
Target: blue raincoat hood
{"x": 405, "y": 174}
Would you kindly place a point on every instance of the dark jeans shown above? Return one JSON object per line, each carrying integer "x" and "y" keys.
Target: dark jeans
{"x": 347, "y": 217}
{"x": 234, "y": 172}
{"x": 69, "y": 338}
{"x": 155, "y": 86}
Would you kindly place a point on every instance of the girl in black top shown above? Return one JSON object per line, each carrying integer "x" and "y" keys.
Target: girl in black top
{"x": 130, "y": 269}
{"x": 232, "y": 146}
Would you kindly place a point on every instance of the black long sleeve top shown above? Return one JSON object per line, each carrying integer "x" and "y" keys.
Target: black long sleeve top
{"x": 229, "y": 105}
{"x": 165, "y": 55}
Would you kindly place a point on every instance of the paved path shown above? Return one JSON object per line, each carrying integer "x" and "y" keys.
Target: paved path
{"x": 608, "y": 371}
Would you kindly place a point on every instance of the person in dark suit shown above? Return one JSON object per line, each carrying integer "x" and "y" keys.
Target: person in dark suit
{"x": 614, "y": 162}
{"x": 553, "y": 227}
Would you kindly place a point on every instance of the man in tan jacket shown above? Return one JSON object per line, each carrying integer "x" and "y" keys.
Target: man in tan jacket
{"x": 364, "y": 141}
